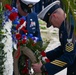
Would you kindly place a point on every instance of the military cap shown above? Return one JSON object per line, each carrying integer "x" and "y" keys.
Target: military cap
{"x": 47, "y": 11}
{"x": 26, "y": 5}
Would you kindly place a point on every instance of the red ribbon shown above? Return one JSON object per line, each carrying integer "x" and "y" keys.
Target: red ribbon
{"x": 18, "y": 51}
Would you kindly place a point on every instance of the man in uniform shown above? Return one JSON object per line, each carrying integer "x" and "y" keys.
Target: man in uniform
{"x": 25, "y": 9}
{"x": 64, "y": 55}
{"x": 71, "y": 70}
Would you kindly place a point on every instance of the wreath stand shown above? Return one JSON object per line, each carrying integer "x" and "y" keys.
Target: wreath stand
{"x": 27, "y": 52}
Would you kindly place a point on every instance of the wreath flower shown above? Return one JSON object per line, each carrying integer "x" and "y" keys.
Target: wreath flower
{"x": 5, "y": 43}
{"x": 7, "y": 6}
{"x": 19, "y": 26}
{"x": 13, "y": 16}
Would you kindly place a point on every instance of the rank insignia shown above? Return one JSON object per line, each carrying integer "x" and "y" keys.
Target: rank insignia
{"x": 59, "y": 63}
{"x": 69, "y": 45}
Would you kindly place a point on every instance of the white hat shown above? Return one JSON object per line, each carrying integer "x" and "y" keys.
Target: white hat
{"x": 46, "y": 9}
{"x": 30, "y": 1}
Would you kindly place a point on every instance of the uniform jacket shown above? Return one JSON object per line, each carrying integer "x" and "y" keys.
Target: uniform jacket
{"x": 33, "y": 25}
{"x": 64, "y": 55}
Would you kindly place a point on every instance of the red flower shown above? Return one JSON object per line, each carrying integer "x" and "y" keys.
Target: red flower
{"x": 25, "y": 70}
{"x": 13, "y": 16}
{"x": 34, "y": 44}
{"x": 18, "y": 26}
{"x": 24, "y": 30}
{"x": 22, "y": 21}
{"x": 23, "y": 41}
{"x": 46, "y": 73}
{"x": 43, "y": 53}
{"x": 47, "y": 60}
{"x": 18, "y": 36}
{"x": 24, "y": 37}
{"x": 7, "y": 6}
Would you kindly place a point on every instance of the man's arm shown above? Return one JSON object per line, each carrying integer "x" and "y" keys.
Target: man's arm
{"x": 57, "y": 52}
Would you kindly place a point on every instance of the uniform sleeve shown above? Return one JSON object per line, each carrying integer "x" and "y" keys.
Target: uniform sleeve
{"x": 54, "y": 53}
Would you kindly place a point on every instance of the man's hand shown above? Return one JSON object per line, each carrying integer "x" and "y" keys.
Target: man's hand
{"x": 37, "y": 67}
